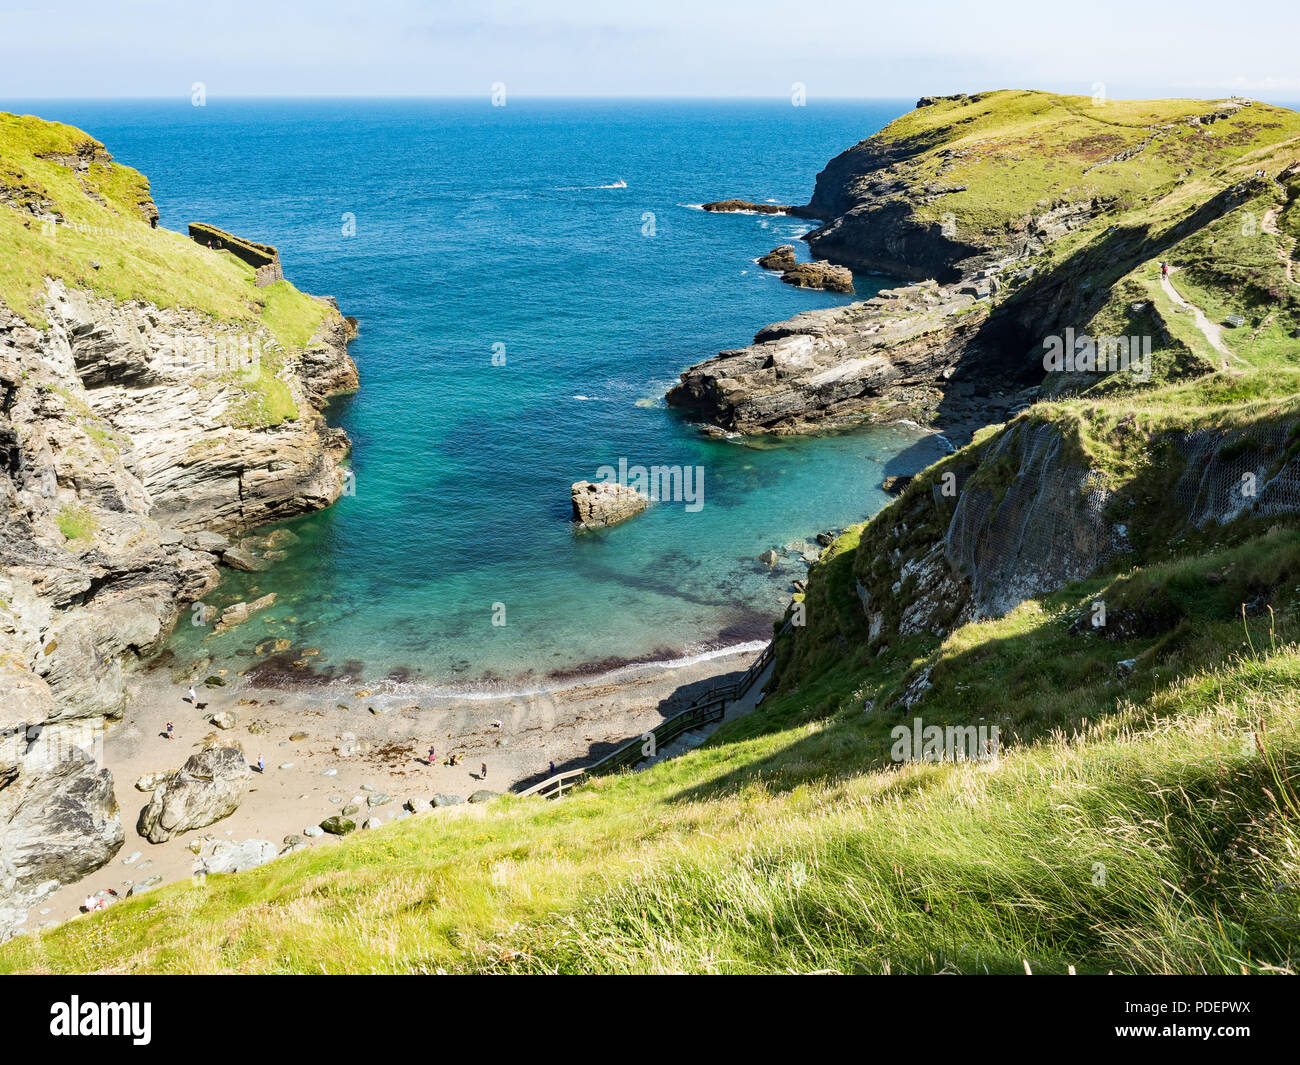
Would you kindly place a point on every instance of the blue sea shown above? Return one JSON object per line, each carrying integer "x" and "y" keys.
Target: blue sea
{"x": 456, "y": 231}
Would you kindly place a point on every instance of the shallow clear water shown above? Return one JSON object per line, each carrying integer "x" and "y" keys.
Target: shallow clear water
{"x": 477, "y": 227}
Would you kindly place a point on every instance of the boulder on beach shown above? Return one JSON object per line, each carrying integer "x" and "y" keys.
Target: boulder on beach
{"x": 208, "y": 787}
{"x": 447, "y": 800}
{"x": 599, "y": 504}
{"x": 231, "y": 856}
{"x": 338, "y": 826}
{"x": 483, "y": 795}
{"x": 225, "y": 719}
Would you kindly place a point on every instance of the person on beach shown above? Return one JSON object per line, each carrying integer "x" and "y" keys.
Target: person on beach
{"x": 552, "y": 767}
{"x": 261, "y": 764}
{"x": 433, "y": 756}
{"x": 482, "y": 773}
{"x": 171, "y": 730}
{"x": 193, "y": 695}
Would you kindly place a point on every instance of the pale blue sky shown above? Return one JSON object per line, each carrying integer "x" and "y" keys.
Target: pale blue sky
{"x": 79, "y": 48}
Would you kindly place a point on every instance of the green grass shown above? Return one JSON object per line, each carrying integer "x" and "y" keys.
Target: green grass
{"x": 77, "y": 522}
{"x": 101, "y": 221}
{"x": 1018, "y": 153}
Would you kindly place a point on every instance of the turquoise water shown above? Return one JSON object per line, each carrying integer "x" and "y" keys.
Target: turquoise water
{"x": 477, "y": 228}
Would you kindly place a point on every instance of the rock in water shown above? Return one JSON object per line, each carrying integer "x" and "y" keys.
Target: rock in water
{"x": 229, "y": 856}
{"x": 820, "y": 275}
{"x": 240, "y": 559}
{"x": 599, "y": 504}
{"x": 207, "y": 788}
{"x": 781, "y": 258}
{"x": 746, "y": 205}
{"x": 241, "y": 612}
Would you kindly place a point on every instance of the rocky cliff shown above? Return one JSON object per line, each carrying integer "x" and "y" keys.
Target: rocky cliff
{"x": 131, "y": 429}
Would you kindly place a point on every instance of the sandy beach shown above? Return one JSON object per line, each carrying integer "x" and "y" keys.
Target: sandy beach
{"x": 361, "y": 744}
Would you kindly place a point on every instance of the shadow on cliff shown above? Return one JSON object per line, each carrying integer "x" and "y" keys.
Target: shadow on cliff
{"x": 1006, "y": 351}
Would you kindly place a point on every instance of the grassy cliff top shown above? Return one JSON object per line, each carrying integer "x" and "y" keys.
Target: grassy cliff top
{"x": 68, "y": 211}
{"x": 1020, "y": 152}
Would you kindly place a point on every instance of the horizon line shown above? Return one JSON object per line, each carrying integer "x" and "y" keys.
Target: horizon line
{"x": 812, "y": 97}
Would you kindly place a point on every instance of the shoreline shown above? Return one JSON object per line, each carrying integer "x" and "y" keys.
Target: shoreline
{"x": 352, "y": 752}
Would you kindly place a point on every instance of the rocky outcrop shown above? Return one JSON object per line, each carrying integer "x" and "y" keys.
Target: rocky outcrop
{"x": 208, "y": 787}
{"x": 58, "y": 817}
{"x": 818, "y": 275}
{"x": 746, "y": 207}
{"x": 600, "y": 504}
{"x": 884, "y": 357}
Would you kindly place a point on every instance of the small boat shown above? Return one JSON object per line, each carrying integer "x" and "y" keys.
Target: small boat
{"x": 619, "y": 184}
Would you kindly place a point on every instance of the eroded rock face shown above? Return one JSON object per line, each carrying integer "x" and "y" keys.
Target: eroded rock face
{"x": 122, "y": 466}
{"x": 599, "y": 504}
{"x": 58, "y": 819}
{"x": 208, "y": 787}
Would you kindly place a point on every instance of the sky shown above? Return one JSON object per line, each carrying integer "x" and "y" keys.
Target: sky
{"x": 762, "y": 48}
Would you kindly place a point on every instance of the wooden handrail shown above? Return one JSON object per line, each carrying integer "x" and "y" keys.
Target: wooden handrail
{"x": 711, "y": 707}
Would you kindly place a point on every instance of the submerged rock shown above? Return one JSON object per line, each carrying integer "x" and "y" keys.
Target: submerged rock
{"x": 241, "y": 612}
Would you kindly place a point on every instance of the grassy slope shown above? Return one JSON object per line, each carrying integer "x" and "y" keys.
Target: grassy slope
{"x": 105, "y": 244}
{"x": 1138, "y": 822}
{"x": 789, "y": 843}
{"x": 1019, "y": 152}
